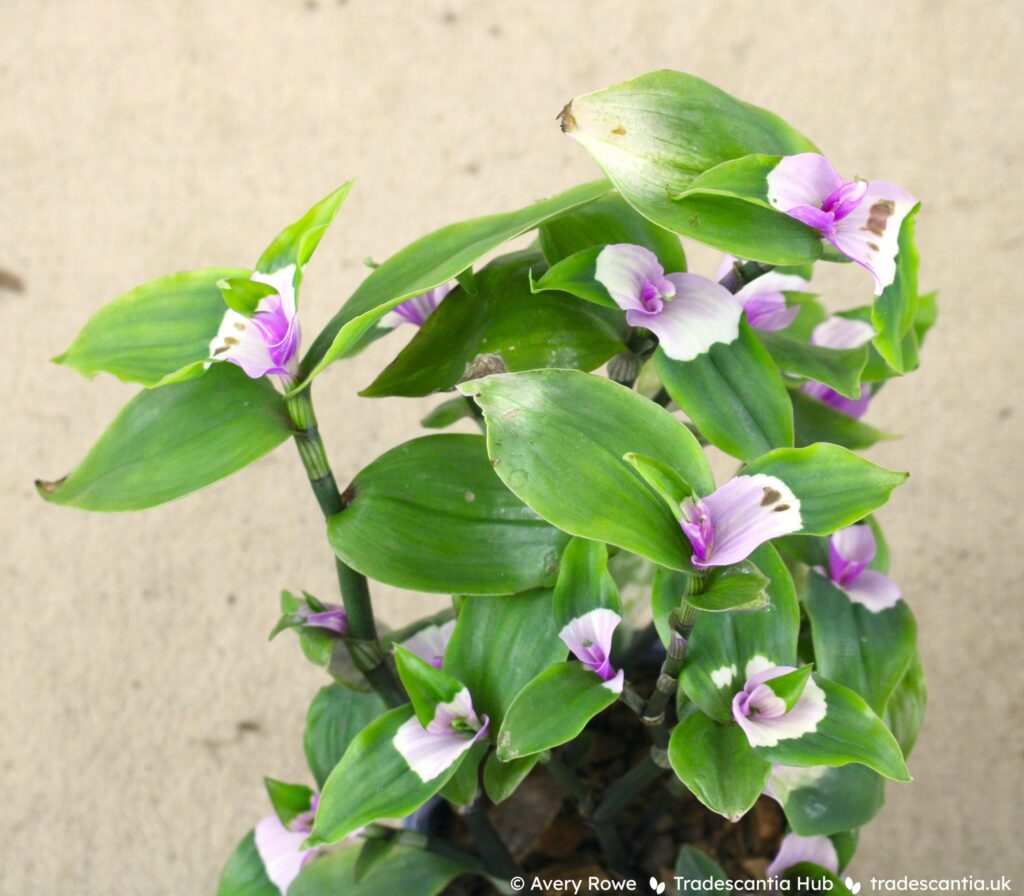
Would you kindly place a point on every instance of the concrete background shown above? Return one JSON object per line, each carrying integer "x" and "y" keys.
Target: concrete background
{"x": 141, "y": 703}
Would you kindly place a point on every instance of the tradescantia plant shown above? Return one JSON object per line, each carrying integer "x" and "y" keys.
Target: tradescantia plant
{"x": 718, "y": 640}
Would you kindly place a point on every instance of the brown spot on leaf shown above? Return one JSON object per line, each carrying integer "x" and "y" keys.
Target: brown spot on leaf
{"x": 483, "y": 365}
{"x": 878, "y": 216}
{"x": 770, "y": 496}
{"x": 566, "y": 120}
{"x": 620, "y": 131}
{"x": 48, "y": 487}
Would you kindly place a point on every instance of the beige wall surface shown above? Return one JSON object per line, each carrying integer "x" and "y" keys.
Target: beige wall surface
{"x": 140, "y": 701}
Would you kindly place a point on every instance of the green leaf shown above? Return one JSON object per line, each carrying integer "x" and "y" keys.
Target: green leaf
{"x": 506, "y": 319}
{"x": 464, "y": 785}
{"x": 371, "y": 855}
{"x": 881, "y": 560}
{"x": 722, "y": 644}
{"x": 244, "y": 874}
{"x": 822, "y": 801}
{"x": 243, "y": 295}
{"x": 892, "y": 313}
{"x": 668, "y": 591}
{"x": 372, "y": 781}
{"x": 297, "y": 242}
{"x": 289, "y": 800}
{"x": 607, "y": 221}
{"x": 584, "y": 583}
{"x": 743, "y": 178}
{"x": 839, "y": 368}
{"x": 926, "y": 315}
{"x": 803, "y": 549}
{"x": 430, "y": 515}
{"x": 734, "y": 394}
{"x": 694, "y": 865}
{"x": 154, "y": 330}
{"x": 656, "y": 134}
{"x": 467, "y": 280}
{"x": 850, "y": 732}
{"x": 845, "y": 843}
{"x": 325, "y": 649}
{"x": 557, "y": 438}
{"x": 864, "y": 651}
{"x": 814, "y": 421}
{"x": 335, "y": 718}
{"x": 407, "y": 871}
{"x": 669, "y": 485}
{"x": 576, "y": 276}
{"x": 905, "y": 710}
{"x": 501, "y": 643}
{"x": 717, "y": 765}
{"x": 447, "y": 413}
{"x": 811, "y": 312}
{"x": 835, "y": 487}
{"x": 426, "y": 685}
{"x": 169, "y": 442}
{"x": 789, "y": 687}
{"x": 428, "y": 262}
{"x": 502, "y": 778}
{"x": 741, "y": 586}
{"x": 552, "y": 709}
{"x": 877, "y": 370}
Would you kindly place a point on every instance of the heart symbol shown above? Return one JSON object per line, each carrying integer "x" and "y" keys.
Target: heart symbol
{"x": 852, "y": 885}
{"x": 657, "y": 887}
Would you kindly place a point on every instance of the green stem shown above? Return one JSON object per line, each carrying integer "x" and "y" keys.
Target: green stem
{"x": 626, "y": 789}
{"x": 566, "y": 775}
{"x": 497, "y": 859}
{"x": 610, "y": 842}
{"x": 632, "y": 699}
{"x": 426, "y": 842}
{"x": 655, "y": 713}
{"x": 742, "y": 273}
{"x": 361, "y": 637}
{"x": 615, "y": 799}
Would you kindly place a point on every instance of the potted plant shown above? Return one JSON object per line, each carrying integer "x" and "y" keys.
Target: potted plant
{"x": 649, "y": 676}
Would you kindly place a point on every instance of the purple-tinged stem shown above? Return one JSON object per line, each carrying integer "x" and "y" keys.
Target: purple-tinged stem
{"x": 743, "y": 273}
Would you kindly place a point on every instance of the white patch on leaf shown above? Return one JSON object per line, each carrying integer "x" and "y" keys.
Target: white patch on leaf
{"x": 723, "y": 677}
{"x": 756, "y": 664}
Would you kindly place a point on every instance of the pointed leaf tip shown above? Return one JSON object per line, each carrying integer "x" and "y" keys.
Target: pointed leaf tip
{"x": 566, "y": 120}
{"x": 49, "y": 487}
